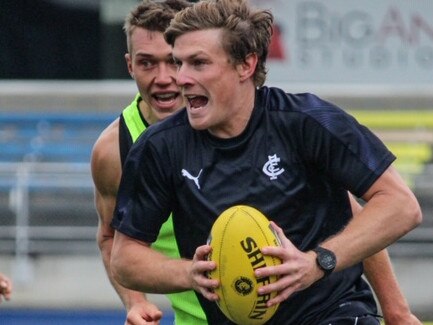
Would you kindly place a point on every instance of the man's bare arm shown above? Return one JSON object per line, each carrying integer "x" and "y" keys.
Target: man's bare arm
{"x": 106, "y": 173}
{"x": 380, "y": 274}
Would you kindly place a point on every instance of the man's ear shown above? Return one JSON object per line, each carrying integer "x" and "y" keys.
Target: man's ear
{"x": 247, "y": 68}
{"x": 128, "y": 60}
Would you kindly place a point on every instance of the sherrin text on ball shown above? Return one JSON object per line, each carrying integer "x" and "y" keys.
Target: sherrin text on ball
{"x": 236, "y": 238}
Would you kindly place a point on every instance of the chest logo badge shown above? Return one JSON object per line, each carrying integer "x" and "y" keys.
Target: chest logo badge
{"x": 186, "y": 174}
{"x": 271, "y": 168}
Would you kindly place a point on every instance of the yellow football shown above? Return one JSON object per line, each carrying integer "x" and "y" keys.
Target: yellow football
{"x": 236, "y": 238}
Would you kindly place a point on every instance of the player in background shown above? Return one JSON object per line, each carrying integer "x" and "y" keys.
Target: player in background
{"x": 5, "y": 287}
{"x": 151, "y": 65}
{"x": 228, "y": 114}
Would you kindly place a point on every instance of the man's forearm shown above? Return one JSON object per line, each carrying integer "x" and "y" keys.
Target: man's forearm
{"x": 127, "y": 296}
{"x": 390, "y": 212}
{"x": 380, "y": 274}
{"x": 137, "y": 266}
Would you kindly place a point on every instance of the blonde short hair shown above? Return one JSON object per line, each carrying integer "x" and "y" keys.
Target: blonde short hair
{"x": 246, "y": 30}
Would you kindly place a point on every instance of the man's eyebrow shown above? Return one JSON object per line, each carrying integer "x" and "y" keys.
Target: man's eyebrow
{"x": 153, "y": 56}
{"x": 145, "y": 55}
{"x": 191, "y": 56}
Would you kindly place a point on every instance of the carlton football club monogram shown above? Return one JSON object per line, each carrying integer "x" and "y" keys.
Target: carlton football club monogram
{"x": 271, "y": 167}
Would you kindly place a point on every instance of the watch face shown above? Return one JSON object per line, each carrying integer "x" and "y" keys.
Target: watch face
{"x": 327, "y": 261}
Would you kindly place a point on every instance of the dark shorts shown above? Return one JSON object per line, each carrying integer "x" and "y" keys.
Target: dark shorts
{"x": 361, "y": 320}
{"x": 357, "y": 312}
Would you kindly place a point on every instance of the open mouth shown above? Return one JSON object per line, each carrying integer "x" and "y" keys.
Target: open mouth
{"x": 166, "y": 98}
{"x": 197, "y": 101}
{"x": 166, "y": 101}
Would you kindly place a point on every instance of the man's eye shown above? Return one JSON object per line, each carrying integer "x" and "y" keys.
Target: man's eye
{"x": 197, "y": 63}
{"x": 146, "y": 64}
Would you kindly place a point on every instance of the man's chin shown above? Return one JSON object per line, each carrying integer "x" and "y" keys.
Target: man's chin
{"x": 163, "y": 115}
{"x": 196, "y": 125}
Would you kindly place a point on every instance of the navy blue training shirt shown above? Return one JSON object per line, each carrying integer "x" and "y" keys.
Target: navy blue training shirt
{"x": 295, "y": 162}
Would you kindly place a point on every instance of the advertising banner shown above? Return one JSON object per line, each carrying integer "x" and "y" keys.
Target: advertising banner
{"x": 359, "y": 42}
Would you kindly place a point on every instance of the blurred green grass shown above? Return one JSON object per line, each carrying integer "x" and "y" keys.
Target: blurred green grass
{"x": 394, "y": 119}
{"x": 407, "y": 133}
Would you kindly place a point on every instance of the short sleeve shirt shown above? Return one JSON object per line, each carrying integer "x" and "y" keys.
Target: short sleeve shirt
{"x": 295, "y": 162}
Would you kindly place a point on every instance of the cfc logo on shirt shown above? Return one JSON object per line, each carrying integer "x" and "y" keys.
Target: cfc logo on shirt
{"x": 271, "y": 167}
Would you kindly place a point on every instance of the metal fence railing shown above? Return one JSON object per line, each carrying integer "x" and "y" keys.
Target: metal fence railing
{"x": 49, "y": 211}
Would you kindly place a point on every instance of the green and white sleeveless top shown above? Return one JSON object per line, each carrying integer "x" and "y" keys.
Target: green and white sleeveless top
{"x": 185, "y": 305}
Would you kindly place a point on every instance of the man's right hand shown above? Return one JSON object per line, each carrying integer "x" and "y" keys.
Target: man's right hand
{"x": 143, "y": 313}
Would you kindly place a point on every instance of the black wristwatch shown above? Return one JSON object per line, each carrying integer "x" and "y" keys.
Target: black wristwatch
{"x": 326, "y": 260}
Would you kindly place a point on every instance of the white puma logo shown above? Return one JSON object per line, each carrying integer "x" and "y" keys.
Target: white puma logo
{"x": 195, "y": 179}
